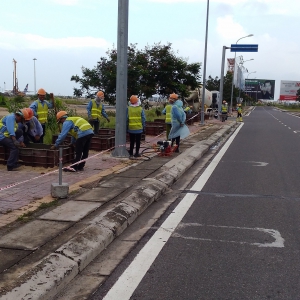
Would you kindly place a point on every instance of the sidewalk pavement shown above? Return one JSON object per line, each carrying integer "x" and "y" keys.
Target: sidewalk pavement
{"x": 40, "y": 257}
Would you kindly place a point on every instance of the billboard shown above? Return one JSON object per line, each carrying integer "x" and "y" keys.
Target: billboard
{"x": 288, "y": 90}
{"x": 260, "y": 89}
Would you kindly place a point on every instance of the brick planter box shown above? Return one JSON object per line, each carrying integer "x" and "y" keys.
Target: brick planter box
{"x": 39, "y": 155}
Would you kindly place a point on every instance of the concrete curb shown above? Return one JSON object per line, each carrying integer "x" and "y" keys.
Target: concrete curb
{"x": 55, "y": 271}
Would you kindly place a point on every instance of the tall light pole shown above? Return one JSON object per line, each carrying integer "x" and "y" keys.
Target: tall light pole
{"x": 34, "y": 75}
{"x": 234, "y": 70}
{"x": 204, "y": 67}
{"x": 121, "y": 88}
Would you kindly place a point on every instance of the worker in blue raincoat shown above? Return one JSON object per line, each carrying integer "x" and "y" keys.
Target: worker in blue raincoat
{"x": 179, "y": 130}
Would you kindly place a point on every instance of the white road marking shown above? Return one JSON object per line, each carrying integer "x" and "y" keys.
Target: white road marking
{"x": 278, "y": 243}
{"x": 259, "y": 163}
{"x": 295, "y": 131}
{"x": 289, "y": 128}
{"x": 132, "y": 276}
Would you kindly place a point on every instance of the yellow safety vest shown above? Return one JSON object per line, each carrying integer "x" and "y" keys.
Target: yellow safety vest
{"x": 239, "y": 110}
{"x": 80, "y": 124}
{"x": 42, "y": 112}
{"x": 96, "y": 111}
{"x": 3, "y": 128}
{"x": 168, "y": 114}
{"x": 224, "y": 108}
{"x": 135, "y": 118}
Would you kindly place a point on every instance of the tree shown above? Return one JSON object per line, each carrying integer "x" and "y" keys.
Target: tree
{"x": 152, "y": 70}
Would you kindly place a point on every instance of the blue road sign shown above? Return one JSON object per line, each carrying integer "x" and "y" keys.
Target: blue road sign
{"x": 244, "y": 48}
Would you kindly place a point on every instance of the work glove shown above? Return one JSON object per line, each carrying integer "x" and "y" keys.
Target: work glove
{"x": 53, "y": 147}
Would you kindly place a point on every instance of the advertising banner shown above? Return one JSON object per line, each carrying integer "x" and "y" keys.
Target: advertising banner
{"x": 260, "y": 89}
{"x": 288, "y": 90}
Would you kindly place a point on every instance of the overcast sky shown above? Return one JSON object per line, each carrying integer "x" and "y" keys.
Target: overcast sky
{"x": 64, "y": 35}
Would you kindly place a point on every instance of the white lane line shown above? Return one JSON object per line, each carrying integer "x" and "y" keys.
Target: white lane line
{"x": 133, "y": 275}
{"x": 289, "y": 128}
{"x": 295, "y": 131}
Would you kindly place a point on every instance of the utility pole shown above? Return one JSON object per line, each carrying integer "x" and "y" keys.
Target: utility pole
{"x": 222, "y": 80}
{"x": 34, "y": 75}
{"x": 121, "y": 89}
{"x": 15, "y": 82}
{"x": 204, "y": 67}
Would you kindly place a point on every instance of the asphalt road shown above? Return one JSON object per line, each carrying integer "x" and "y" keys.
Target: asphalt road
{"x": 235, "y": 233}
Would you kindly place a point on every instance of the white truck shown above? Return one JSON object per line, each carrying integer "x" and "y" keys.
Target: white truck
{"x": 210, "y": 102}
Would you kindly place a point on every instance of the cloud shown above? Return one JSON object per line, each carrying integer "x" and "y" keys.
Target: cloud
{"x": 230, "y": 30}
{"x": 15, "y": 40}
{"x": 66, "y": 2}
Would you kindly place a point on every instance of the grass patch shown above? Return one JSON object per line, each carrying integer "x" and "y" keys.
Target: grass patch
{"x": 29, "y": 215}
{"x": 26, "y": 217}
{"x": 48, "y": 204}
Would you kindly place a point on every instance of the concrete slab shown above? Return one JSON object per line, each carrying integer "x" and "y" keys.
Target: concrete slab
{"x": 150, "y": 165}
{"x": 45, "y": 280}
{"x": 71, "y": 211}
{"x": 119, "y": 182}
{"x": 9, "y": 257}
{"x": 135, "y": 173}
{"x": 100, "y": 194}
{"x": 32, "y": 235}
{"x": 86, "y": 245}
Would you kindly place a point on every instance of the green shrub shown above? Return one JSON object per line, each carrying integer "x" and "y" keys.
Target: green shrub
{"x": 15, "y": 104}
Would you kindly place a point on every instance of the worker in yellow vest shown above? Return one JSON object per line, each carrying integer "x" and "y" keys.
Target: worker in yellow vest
{"x": 10, "y": 136}
{"x": 40, "y": 109}
{"x": 224, "y": 111}
{"x": 95, "y": 109}
{"x": 239, "y": 113}
{"x": 81, "y": 132}
{"x": 167, "y": 111}
{"x": 135, "y": 125}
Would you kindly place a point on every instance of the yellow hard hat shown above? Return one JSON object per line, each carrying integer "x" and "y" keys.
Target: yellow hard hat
{"x": 41, "y": 92}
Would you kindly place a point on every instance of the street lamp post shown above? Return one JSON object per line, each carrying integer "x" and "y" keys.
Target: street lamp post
{"x": 34, "y": 75}
{"x": 234, "y": 70}
{"x": 204, "y": 67}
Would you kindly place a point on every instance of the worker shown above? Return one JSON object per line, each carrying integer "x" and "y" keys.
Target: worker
{"x": 239, "y": 113}
{"x": 167, "y": 111}
{"x": 136, "y": 121}
{"x": 224, "y": 111}
{"x": 40, "y": 108}
{"x": 95, "y": 109}
{"x": 81, "y": 132}
{"x": 11, "y": 137}
{"x": 32, "y": 128}
{"x": 179, "y": 129}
